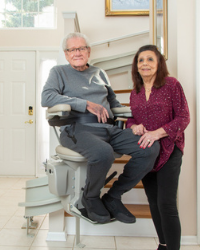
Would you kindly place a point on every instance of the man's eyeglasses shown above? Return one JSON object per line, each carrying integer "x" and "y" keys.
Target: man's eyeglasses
{"x": 80, "y": 49}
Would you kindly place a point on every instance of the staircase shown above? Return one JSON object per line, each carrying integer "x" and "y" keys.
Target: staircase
{"x": 118, "y": 68}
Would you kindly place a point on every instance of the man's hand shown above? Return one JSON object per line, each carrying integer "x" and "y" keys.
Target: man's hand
{"x": 98, "y": 110}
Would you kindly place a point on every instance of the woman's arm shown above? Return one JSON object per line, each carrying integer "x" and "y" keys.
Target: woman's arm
{"x": 181, "y": 115}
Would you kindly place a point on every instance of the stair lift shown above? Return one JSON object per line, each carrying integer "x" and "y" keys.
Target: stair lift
{"x": 62, "y": 187}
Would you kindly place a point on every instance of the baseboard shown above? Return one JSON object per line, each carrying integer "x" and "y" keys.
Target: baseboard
{"x": 56, "y": 236}
{"x": 142, "y": 228}
{"x": 189, "y": 240}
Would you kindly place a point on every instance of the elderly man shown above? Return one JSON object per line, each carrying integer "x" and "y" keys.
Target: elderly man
{"x": 91, "y": 130}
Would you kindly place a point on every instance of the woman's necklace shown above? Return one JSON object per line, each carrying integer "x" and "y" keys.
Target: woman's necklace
{"x": 148, "y": 90}
{"x": 147, "y": 93}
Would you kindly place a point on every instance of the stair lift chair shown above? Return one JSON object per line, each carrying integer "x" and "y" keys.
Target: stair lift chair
{"x": 62, "y": 187}
{"x": 66, "y": 177}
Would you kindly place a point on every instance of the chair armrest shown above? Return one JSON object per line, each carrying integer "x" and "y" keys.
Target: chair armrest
{"x": 58, "y": 110}
{"x": 59, "y": 107}
{"x": 58, "y": 114}
{"x": 122, "y": 112}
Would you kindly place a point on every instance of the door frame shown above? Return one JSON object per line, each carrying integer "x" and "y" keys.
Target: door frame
{"x": 38, "y": 52}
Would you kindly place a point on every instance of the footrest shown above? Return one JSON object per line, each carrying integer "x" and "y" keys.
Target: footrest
{"x": 82, "y": 213}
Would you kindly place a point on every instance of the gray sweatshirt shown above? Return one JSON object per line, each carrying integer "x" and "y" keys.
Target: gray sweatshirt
{"x": 69, "y": 86}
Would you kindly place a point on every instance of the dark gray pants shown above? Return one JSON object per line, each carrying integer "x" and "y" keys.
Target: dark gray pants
{"x": 98, "y": 145}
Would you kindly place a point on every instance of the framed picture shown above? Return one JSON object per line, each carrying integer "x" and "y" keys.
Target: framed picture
{"x": 159, "y": 25}
{"x": 126, "y": 7}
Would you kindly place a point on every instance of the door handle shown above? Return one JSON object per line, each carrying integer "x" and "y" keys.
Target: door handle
{"x": 30, "y": 121}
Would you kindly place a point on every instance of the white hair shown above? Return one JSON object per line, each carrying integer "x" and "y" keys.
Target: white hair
{"x": 74, "y": 35}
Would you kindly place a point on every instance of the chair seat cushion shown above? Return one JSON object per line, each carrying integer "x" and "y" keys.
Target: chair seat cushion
{"x": 68, "y": 154}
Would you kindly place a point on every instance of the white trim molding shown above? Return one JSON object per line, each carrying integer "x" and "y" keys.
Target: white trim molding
{"x": 188, "y": 240}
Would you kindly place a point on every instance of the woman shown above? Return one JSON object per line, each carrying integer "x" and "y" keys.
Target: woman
{"x": 160, "y": 112}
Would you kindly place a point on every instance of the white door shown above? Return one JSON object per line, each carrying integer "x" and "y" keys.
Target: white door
{"x": 17, "y": 96}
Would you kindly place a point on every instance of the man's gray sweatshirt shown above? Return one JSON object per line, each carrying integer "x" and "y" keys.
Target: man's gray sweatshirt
{"x": 65, "y": 85}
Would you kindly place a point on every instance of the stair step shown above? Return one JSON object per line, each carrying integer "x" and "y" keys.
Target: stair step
{"x": 123, "y": 159}
{"x": 110, "y": 183}
{"x": 140, "y": 211}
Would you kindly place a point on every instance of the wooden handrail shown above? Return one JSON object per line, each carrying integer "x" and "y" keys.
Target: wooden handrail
{"x": 125, "y": 104}
{"x": 122, "y": 91}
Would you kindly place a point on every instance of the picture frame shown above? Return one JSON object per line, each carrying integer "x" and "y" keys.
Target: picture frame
{"x": 126, "y": 8}
{"x": 159, "y": 26}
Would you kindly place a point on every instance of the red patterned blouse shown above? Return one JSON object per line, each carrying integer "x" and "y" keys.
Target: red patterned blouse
{"x": 167, "y": 108}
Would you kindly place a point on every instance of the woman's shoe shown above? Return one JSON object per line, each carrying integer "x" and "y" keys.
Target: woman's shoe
{"x": 161, "y": 247}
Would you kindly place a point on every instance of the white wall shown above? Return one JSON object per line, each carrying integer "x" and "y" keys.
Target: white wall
{"x": 186, "y": 75}
{"x": 181, "y": 64}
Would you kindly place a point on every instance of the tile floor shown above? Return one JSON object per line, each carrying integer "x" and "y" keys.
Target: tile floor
{"x": 12, "y": 237}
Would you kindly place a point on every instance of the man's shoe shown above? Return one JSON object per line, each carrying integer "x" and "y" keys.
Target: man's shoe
{"x": 96, "y": 210}
{"x": 117, "y": 209}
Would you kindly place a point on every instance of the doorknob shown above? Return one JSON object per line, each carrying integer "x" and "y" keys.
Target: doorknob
{"x": 30, "y": 121}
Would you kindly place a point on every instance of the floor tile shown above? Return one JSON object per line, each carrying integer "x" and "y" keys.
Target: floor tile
{"x": 21, "y": 183}
{"x": 20, "y": 211}
{"x": 13, "y": 248}
{"x": 2, "y": 192}
{"x": 6, "y": 183}
{"x": 45, "y": 223}
{"x": 98, "y": 242}
{"x": 14, "y": 192}
{"x": 3, "y": 220}
{"x": 125, "y": 243}
{"x": 19, "y": 222}
{"x": 8, "y": 210}
{"x": 52, "y": 248}
{"x": 96, "y": 248}
{"x": 40, "y": 241}
{"x": 15, "y": 237}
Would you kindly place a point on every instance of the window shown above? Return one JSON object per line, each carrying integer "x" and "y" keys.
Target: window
{"x": 27, "y": 14}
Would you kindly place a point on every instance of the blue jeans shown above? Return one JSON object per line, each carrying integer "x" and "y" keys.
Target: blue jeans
{"x": 97, "y": 145}
{"x": 161, "y": 190}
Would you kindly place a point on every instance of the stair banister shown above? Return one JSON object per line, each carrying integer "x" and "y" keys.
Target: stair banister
{"x": 108, "y": 41}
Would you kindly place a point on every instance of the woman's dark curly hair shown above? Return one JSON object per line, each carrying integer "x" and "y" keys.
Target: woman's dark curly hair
{"x": 162, "y": 70}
